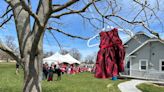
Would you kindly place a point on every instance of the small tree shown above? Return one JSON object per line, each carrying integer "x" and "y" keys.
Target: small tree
{"x": 10, "y": 42}
{"x": 47, "y": 54}
{"x": 75, "y": 53}
{"x": 64, "y": 51}
{"x": 91, "y": 59}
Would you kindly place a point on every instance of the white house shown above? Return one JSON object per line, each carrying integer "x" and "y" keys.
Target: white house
{"x": 144, "y": 57}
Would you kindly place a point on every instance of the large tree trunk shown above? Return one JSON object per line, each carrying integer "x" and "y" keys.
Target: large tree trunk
{"x": 33, "y": 63}
{"x": 31, "y": 40}
{"x": 33, "y": 68}
{"x": 32, "y": 82}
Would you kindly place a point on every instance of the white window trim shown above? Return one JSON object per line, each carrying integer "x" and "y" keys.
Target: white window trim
{"x": 146, "y": 64}
{"x": 160, "y": 65}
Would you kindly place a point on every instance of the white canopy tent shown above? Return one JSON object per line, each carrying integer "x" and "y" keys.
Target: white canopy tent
{"x": 58, "y": 58}
{"x": 55, "y": 58}
{"x": 70, "y": 59}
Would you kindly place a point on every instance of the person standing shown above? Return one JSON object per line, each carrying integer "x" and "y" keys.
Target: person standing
{"x": 58, "y": 71}
{"x": 17, "y": 68}
{"x": 50, "y": 74}
{"x": 45, "y": 71}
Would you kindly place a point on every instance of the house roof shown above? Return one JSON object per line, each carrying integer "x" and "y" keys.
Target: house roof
{"x": 133, "y": 37}
{"x": 150, "y": 40}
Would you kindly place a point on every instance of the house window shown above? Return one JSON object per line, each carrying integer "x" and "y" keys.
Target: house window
{"x": 162, "y": 65}
{"x": 143, "y": 64}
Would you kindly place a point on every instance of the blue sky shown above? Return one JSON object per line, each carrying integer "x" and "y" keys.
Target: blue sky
{"x": 75, "y": 25}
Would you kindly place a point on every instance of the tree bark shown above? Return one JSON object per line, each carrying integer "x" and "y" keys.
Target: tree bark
{"x": 31, "y": 40}
{"x": 32, "y": 82}
{"x": 33, "y": 67}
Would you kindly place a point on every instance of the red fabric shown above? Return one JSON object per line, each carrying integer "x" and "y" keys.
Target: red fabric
{"x": 110, "y": 58}
{"x": 50, "y": 79}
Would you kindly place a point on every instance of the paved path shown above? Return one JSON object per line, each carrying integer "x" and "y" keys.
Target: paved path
{"x": 130, "y": 86}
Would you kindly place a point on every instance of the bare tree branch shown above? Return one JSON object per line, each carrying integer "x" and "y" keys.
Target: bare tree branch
{"x": 29, "y": 10}
{"x": 151, "y": 31}
{"x": 150, "y": 10}
{"x": 97, "y": 8}
{"x": 61, "y": 7}
{"x": 146, "y": 18}
{"x": 5, "y": 21}
{"x": 56, "y": 5}
{"x": 127, "y": 32}
{"x": 143, "y": 24}
{"x": 90, "y": 20}
{"x": 56, "y": 22}
{"x": 67, "y": 34}
{"x": 138, "y": 13}
{"x": 93, "y": 24}
{"x": 10, "y": 52}
{"x": 73, "y": 11}
{"x": 5, "y": 13}
{"x": 130, "y": 22}
{"x": 56, "y": 40}
{"x": 108, "y": 7}
{"x": 136, "y": 22}
{"x": 157, "y": 4}
{"x": 29, "y": 4}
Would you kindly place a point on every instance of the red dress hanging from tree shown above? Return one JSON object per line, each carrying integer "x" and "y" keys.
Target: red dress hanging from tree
{"x": 110, "y": 58}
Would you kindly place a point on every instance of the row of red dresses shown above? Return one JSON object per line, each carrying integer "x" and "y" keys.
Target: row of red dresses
{"x": 110, "y": 58}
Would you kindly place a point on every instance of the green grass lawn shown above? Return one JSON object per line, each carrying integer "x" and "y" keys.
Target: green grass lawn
{"x": 145, "y": 87}
{"x": 83, "y": 82}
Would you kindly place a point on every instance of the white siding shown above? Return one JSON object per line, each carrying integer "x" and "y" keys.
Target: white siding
{"x": 153, "y": 52}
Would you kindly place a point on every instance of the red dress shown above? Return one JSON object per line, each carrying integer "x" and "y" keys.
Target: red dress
{"x": 110, "y": 58}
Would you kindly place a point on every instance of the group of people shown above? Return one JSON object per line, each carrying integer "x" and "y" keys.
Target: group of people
{"x": 48, "y": 72}
{"x": 59, "y": 69}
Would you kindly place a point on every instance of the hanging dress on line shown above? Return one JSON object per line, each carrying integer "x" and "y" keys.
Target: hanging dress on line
{"x": 110, "y": 57}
